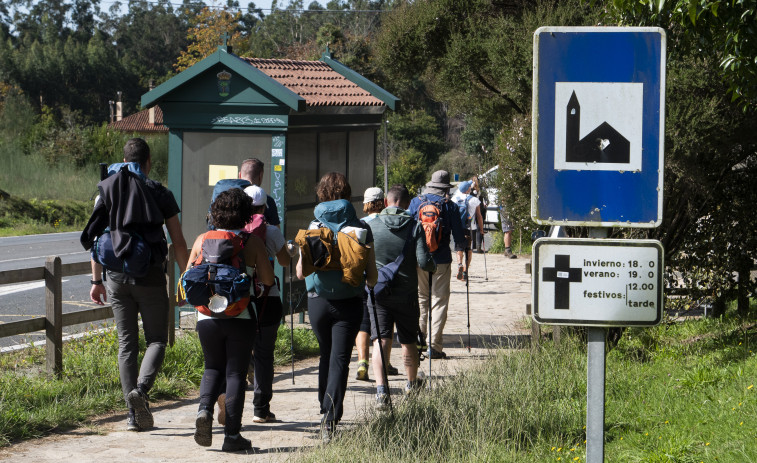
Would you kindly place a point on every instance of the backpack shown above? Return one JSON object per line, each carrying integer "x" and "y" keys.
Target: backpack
{"x": 217, "y": 284}
{"x": 257, "y": 226}
{"x": 462, "y": 207}
{"x": 387, "y": 273}
{"x": 136, "y": 261}
{"x": 429, "y": 216}
{"x": 347, "y": 253}
{"x": 220, "y": 187}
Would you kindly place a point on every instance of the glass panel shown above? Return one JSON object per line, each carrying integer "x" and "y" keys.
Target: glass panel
{"x": 301, "y": 170}
{"x": 214, "y": 154}
{"x": 362, "y": 162}
{"x": 297, "y": 220}
{"x": 332, "y": 154}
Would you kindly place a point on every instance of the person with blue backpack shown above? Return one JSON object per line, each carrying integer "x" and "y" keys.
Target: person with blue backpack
{"x": 130, "y": 212}
{"x": 470, "y": 216}
{"x": 335, "y": 288}
{"x": 441, "y": 220}
{"x": 225, "y": 321}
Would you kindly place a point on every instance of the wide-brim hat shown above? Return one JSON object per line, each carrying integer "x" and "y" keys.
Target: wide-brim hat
{"x": 439, "y": 179}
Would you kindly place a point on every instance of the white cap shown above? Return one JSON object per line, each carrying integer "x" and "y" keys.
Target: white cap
{"x": 257, "y": 194}
{"x": 372, "y": 194}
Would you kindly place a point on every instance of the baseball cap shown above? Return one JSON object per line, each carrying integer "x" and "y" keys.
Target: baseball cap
{"x": 257, "y": 194}
{"x": 372, "y": 194}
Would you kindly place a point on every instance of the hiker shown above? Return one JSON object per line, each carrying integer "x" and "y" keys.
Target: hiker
{"x": 477, "y": 234}
{"x": 468, "y": 207}
{"x": 335, "y": 306}
{"x": 395, "y": 232}
{"x": 373, "y": 203}
{"x": 434, "y": 287}
{"x": 252, "y": 170}
{"x": 227, "y": 342}
{"x": 507, "y": 232}
{"x": 130, "y": 202}
{"x": 269, "y": 310}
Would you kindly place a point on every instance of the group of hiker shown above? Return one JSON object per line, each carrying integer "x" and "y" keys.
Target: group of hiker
{"x": 364, "y": 279}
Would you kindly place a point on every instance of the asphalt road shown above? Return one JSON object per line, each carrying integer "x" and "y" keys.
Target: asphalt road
{"x": 26, "y": 300}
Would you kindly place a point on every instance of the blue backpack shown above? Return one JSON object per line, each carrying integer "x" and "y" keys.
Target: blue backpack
{"x": 462, "y": 207}
{"x": 220, "y": 187}
{"x": 136, "y": 262}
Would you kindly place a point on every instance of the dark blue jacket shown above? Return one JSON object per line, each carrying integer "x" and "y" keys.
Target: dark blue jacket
{"x": 451, "y": 225}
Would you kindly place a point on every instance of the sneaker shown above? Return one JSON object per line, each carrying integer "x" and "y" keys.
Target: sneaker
{"x": 131, "y": 422}
{"x": 391, "y": 371}
{"x": 264, "y": 419}
{"x": 142, "y": 414}
{"x": 362, "y": 370}
{"x": 412, "y": 387}
{"x": 436, "y": 354}
{"x": 236, "y": 443}
{"x": 460, "y": 272}
{"x": 328, "y": 429}
{"x": 382, "y": 401}
{"x": 204, "y": 428}
{"x": 222, "y": 409}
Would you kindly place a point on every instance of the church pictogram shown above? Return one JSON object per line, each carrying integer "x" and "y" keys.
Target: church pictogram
{"x": 604, "y": 144}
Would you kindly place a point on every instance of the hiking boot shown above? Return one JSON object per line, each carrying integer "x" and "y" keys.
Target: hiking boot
{"x": 222, "y": 409}
{"x": 509, "y": 254}
{"x": 460, "y": 272}
{"x": 131, "y": 422}
{"x": 264, "y": 419}
{"x": 436, "y": 354}
{"x": 362, "y": 370}
{"x": 204, "y": 428}
{"x": 236, "y": 444}
{"x": 142, "y": 415}
{"x": 391, "y": 371}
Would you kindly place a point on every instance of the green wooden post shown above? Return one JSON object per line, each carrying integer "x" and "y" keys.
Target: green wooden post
{"x": 175, "y": 159}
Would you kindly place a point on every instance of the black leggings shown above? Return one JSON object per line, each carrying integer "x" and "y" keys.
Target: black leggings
{"x": 335, "y": 322}
{"x": 226, "y": 345}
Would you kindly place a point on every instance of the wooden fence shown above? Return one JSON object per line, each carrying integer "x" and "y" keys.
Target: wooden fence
{"x": 54, "y": 320}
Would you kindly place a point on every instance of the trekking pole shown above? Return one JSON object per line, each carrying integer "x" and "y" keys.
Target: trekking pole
{"x": 381, "y": 350}
{"x": 483, "y": 248}
{"x": 291, "y": 315}
{"x": 468, "y": 252}
{"x": 430, "y": 279}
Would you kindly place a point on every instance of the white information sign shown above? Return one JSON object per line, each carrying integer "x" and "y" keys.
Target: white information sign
{"x": 597, "y": 282}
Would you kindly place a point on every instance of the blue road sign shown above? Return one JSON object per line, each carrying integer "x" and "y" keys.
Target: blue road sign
{"x": 598, "y": 126}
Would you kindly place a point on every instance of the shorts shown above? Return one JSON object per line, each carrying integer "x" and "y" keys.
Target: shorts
{"x": 405, "y": 316}
{"x": 507, "y": 226}
{"x": 365, "y": 325}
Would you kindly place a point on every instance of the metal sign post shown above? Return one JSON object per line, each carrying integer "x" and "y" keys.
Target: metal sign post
{"x": 595, "y": 396}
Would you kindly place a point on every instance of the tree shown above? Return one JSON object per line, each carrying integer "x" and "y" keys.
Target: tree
{"x": 206, "y": 33}
{"x": 725, "y": 30}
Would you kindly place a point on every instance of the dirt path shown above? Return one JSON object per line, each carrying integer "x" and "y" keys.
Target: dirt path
{"x": 497, "y": 305}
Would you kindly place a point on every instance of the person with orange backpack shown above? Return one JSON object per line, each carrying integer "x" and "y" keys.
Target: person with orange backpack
{"x": 440, "y": 220}
{"x": 225, "y": 324}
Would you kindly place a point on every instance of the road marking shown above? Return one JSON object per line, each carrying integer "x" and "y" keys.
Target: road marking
{"x": 10, "y": 289}
{"x": 40, "y": 257}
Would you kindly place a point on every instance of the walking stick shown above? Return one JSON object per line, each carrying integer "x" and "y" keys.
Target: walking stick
{"x": 483, "y": 248}
{"x": 467, "y": 281}
{"x": 291, "y": 316}
{"x": 430, "y": 280}
{"x": 381, "y": 350}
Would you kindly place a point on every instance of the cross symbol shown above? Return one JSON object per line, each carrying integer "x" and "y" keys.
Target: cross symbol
{"x": 225, "y": 36}
{"x": 562, "y": 275}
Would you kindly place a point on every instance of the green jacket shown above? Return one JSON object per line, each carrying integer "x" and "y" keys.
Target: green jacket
{"x": 390, "y": 230}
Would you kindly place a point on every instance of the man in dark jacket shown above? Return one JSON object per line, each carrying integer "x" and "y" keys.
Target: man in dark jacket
{"x": 391, "y": 229}
{"x": 131, "y": 297}
{"x": 434, "y": 288}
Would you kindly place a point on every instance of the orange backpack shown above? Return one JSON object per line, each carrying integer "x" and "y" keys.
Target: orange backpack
{"x": 429, "y": 216}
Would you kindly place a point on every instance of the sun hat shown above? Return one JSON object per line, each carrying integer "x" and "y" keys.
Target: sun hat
{"x": 439, "y": 179}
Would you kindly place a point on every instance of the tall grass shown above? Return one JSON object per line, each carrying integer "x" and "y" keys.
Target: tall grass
{"x": 33, "y": 404}
{"x": 677, "y": 393}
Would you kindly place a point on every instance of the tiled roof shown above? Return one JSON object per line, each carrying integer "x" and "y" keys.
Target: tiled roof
{"x": 140, "y": 122}
{"x": 315, "y": 81}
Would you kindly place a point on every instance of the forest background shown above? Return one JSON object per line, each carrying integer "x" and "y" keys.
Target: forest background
{"x": 462, "y": 69}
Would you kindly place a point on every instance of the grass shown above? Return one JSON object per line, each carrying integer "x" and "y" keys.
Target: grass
{"x": 680, "y": 392}
{"x": 33, "y": 404}
{"x": 520, "y": 244}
